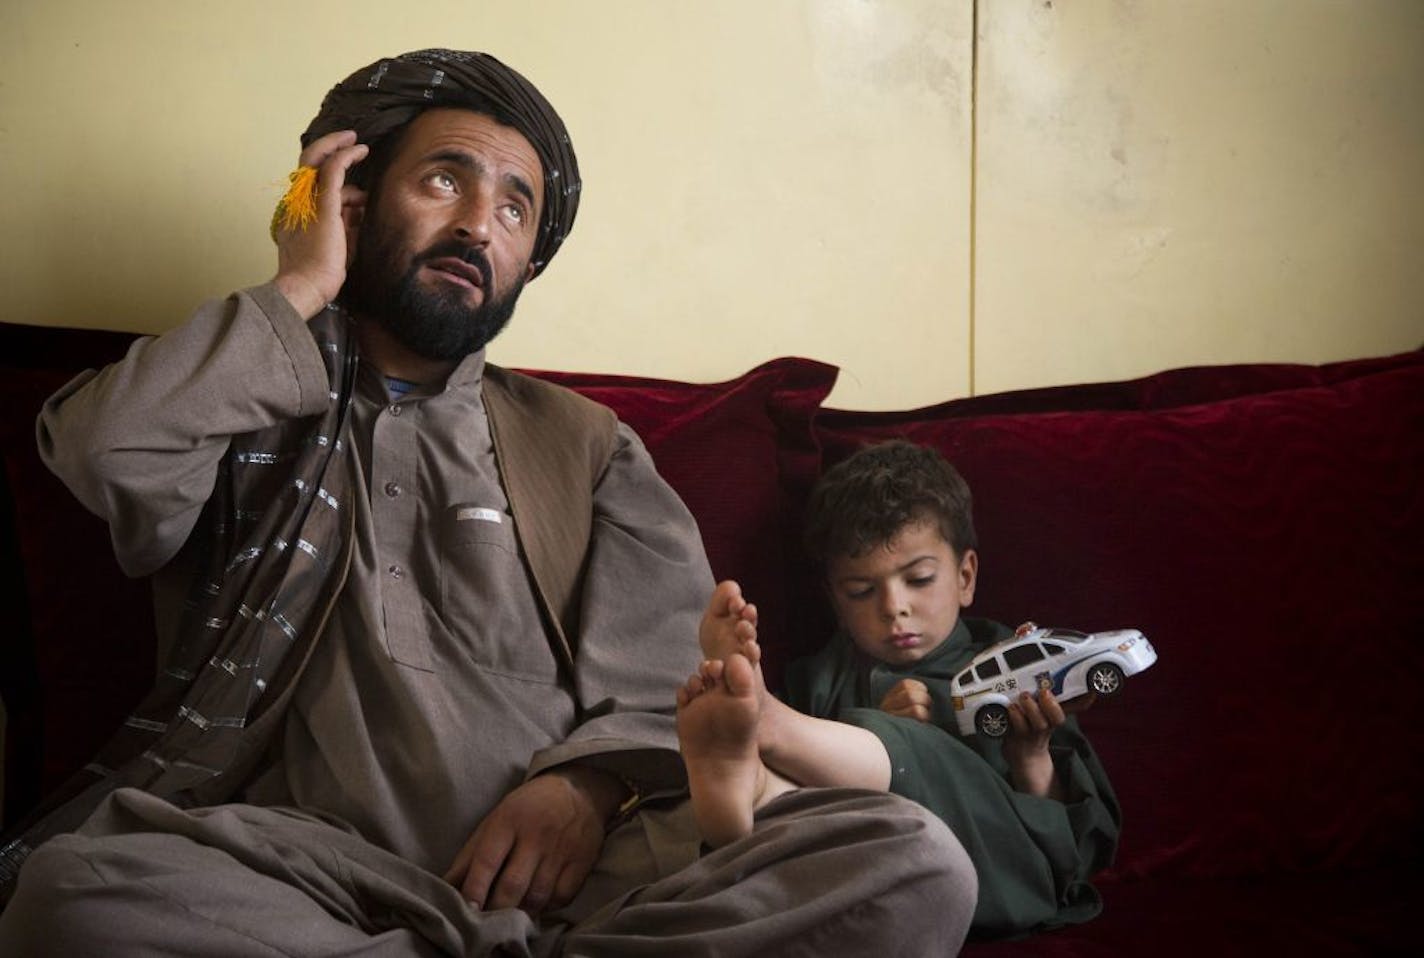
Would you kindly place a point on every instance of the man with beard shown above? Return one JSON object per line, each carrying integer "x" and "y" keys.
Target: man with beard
{"x": 422, "y": 618}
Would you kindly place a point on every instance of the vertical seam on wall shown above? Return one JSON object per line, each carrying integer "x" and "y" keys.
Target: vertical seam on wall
{"x": 973, "y": 189}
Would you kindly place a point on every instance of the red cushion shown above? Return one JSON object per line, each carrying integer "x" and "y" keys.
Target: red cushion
{"x": 1269, "y": 545}
{"x": 742, "y": 455}
{"x": 73, "y": 667}
{"x": 1331, "y": 914}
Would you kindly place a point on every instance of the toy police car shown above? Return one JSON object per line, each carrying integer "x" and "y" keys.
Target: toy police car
{"x": 1068, "y": 662}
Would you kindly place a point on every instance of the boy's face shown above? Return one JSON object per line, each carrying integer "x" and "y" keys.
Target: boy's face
{"x": 900, "y": 601}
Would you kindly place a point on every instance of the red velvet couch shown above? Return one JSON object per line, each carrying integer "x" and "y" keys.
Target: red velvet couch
{"x": 1263, "y": 524}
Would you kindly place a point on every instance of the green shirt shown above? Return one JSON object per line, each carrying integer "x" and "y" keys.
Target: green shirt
{"x": 1033, "y": 855}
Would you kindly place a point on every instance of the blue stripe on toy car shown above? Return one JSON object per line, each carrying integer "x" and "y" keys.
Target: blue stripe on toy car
{"x": 1058, "y": 676}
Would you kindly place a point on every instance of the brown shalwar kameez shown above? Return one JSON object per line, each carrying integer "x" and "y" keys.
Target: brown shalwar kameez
{"x": 432, "y": 693}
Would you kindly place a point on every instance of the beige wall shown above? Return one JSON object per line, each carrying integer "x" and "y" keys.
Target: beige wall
{"x": 1171, "y": 183}
{"x": 1142, "y": 184}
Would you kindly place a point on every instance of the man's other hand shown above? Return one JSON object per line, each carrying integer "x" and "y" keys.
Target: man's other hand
{"x": 534, "y": 850}
{"x": 312, "y": 261}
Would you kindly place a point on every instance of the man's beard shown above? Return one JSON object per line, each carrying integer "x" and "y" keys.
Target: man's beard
{"x": 432, "y": 323}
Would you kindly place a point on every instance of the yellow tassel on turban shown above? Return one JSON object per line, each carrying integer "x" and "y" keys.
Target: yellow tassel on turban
{"x": 296, "y": 210}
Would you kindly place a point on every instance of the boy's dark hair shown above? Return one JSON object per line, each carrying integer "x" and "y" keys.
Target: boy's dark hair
{"x": 863, "y": 501}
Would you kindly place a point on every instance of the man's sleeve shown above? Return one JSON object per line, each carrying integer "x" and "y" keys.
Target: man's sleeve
{"x": 646, "y": 585}
{"x": 139, "y": 441}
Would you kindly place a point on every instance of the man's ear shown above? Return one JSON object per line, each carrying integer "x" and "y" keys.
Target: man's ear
{"x": 968, "y": 576}
{"x": 529, "y": 271}
{"x": 353, "y": 214}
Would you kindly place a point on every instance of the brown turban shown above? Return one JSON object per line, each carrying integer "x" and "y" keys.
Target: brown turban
{"x": 383, "y": 97}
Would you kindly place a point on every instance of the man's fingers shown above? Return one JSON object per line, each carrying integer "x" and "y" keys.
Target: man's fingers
{"x": 543, "y": 887}
{"x": 319, "y": 149}
{"x": 515, "y": 881}
{"x": 352, "y": 195}
{"x": 567, "y": 885}
{"x": 457, "y": 869}
{"x": 489, "y": 853}
{"x": 331, "y": 180}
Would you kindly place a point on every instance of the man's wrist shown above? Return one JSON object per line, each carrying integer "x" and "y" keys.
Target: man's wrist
{"x": 301, "y": 293}
{"x": 606, "y": 792}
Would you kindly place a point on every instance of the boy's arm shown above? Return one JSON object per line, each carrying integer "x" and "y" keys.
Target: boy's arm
{"x": 1032, "y": 722}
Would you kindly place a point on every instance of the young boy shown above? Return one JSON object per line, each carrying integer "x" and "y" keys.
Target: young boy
{"x": 892, "y": 528}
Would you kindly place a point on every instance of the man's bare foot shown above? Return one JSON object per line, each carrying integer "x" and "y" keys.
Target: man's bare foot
{"x": 717, "y": 716}
{"x": 729, "y": 625}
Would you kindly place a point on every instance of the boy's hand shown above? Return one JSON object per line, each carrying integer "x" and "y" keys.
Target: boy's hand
{"x": 908, "y": 698}
{"x": 1031, "y": 724}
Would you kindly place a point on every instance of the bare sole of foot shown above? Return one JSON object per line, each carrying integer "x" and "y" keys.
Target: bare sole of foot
{"x": 717, "y": 715}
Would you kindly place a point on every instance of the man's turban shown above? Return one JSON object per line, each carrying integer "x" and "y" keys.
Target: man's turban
{"x": 383, "y": 97}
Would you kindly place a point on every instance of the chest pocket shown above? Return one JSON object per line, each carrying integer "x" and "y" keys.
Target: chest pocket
{"x": 487, "y": 602}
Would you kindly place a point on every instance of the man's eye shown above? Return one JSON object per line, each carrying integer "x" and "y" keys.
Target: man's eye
{"x": 922, "y": 581}
{"x": 516, "y": 212}
{"x": 855, "y": 594}
{"x": 443, "y": 181}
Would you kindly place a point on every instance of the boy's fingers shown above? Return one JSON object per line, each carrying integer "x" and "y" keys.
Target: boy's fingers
{"x": 1032, "y": 713}
{"x": 1051, "y": 707}
{"x": 1018, "y": 724}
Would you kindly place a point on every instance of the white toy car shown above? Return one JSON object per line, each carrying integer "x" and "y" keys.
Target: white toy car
{"x": 1068, "y": 662}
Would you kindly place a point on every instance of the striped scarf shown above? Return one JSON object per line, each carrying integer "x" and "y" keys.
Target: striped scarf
{"x": 276, "y": 539}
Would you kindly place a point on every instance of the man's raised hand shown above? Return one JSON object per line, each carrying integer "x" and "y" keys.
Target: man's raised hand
{"x": 312, "y": 260}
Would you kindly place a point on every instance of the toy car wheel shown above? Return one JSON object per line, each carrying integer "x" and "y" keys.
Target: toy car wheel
{"x": 1105, "y": 678}
{"x": 992, "y": 720}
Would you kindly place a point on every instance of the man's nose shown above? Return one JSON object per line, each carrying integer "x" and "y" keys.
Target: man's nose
{"x": 474, "y": 219}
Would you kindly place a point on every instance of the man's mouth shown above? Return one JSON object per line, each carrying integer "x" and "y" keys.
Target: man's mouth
{"x": 905, "y": 640}
{"x": 465, "y": 273}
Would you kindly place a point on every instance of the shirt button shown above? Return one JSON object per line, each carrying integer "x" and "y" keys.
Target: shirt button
{"x": 396, "y": 572}
{"x": 395, "y": 409}
{"x": 393, "y": 489}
